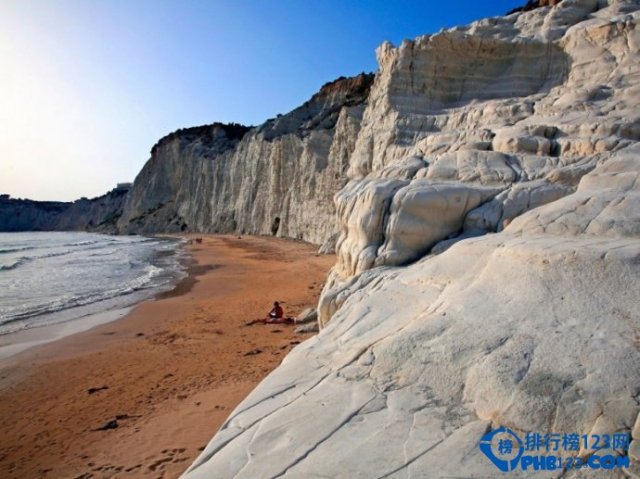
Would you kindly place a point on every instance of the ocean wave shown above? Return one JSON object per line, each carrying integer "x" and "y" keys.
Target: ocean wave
{"x": 145, "y": 279}
{"x": 82, "y": 243}
{"x": 16, "y": 250}
{"x": 16, "y": 264}
{"x": 27, "y": 259}
{"x": 72, "y": 247}
{"x": 141, "y": 282}
{"x": 93, "y": 274}
{"x": 103, "y": 253}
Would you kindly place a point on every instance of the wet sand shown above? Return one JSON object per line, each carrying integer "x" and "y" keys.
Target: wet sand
{"x": 141, "y": 396}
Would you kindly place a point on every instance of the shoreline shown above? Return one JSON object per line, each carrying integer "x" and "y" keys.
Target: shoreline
{"x": 21, "y": 341}
{"x": 61, "y": 323}
{"x": 168, "y": 373}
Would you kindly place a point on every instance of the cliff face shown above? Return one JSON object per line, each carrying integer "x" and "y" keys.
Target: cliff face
{"x": 487, "y": 267}
{"x": 278, "y": 178}
{"x": 470, "y": 128}
{"x": 98, "y": 214}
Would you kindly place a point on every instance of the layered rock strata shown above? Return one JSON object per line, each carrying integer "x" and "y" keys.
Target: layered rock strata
{"x": 509, "y": 112}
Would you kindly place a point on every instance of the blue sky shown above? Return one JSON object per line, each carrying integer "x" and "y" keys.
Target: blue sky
{"x": 88, "y": 86}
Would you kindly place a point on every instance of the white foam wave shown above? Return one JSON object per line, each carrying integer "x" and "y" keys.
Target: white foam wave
{"x": 16, "y": 250}
{"x": 93, "y": 271}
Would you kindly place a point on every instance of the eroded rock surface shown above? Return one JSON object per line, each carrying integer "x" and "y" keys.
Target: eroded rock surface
{"x": 278, "y": 178}
{"x": 429, "y": 342}
{"x": 511, "y": 112}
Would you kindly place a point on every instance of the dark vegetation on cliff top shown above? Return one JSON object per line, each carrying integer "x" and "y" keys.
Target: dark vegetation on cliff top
{"x": 59, "y": 205}
{"x": 206, "y": 134}
{"x": 342, "y": 91}
{"x": 321, "y": 111}
{"x": 533, "y": 4}
{"x": 355, "y": 88}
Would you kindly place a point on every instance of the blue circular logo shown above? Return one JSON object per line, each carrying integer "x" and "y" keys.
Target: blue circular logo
{"x": 503, "y": 447}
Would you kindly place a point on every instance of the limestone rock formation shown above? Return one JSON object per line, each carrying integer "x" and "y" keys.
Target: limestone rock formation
{"x": 278, "y": 178}
{"x": 518, "y": 108}
{"x": 488, "y": 262}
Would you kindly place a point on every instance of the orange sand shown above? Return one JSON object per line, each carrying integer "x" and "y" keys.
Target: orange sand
{"x": 174, "y": 368}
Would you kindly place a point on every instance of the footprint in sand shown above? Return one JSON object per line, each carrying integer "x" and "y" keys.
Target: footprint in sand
{"x": 169, "y": 456}
{"x": 166, "y": 337}
{"x": 133, "y": 468}
{"x": 108, "y": 469}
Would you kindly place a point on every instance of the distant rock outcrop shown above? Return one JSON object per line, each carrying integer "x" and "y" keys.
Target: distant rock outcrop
{"x": 98, "y": 214}
{"x": 487, "y": 263}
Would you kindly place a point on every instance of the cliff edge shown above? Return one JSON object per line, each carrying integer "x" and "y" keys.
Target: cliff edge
{"x": 278, "y": 178}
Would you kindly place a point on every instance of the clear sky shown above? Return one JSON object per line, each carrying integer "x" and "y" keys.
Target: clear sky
{"x": 88, "y": 86}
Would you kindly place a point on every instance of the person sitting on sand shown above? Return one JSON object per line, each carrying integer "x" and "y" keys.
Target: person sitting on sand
{"x": 275, "y": 316}
{"x": 277, "y": 311}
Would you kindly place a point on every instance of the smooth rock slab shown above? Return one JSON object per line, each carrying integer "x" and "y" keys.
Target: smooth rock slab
{"x": 436, "y": 356}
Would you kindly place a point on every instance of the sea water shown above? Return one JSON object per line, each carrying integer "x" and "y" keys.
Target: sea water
{"x": 50, "y": 278}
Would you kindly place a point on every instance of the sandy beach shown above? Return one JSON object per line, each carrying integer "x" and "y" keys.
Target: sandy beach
{"x": 141, "y": 396}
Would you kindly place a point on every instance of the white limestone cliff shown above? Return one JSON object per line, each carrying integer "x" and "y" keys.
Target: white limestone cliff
{"x": 525, "y": 127}
{"x": 518, "y": 107}
{"x": 278, "y": 178}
